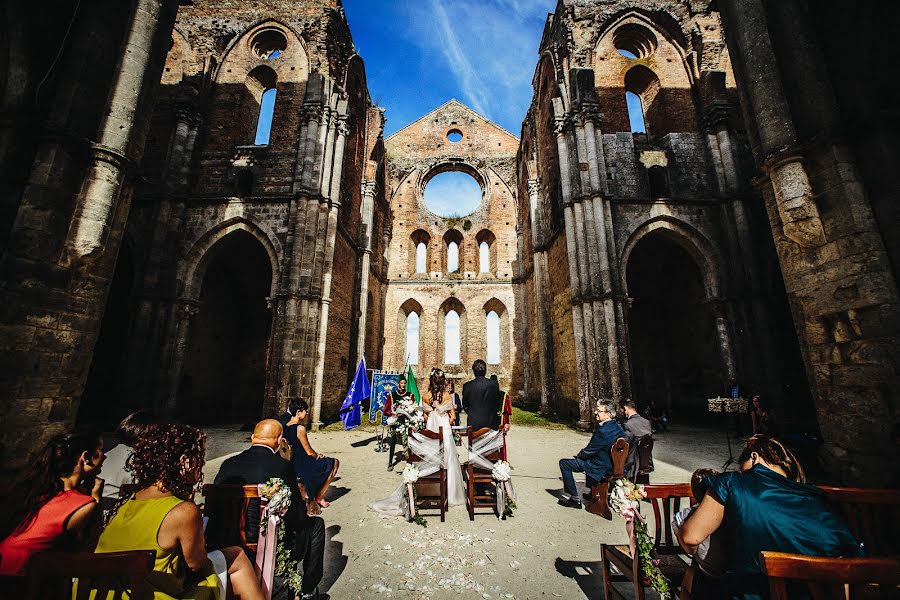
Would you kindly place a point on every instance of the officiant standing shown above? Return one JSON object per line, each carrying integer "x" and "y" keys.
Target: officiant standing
{"x": 481, "y": 399}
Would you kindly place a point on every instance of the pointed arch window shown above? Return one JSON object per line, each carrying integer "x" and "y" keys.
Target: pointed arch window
{"x": 484, "y": 257}
{"x": 452, "y": 257}
{"x": 635, "y": 113}
{"x": 266, "y": 112}
{"x": 412, "y": 338}
{"x": 451, "y": 338}
{"x": 492, "y": 330}
{"x": 421, "y": 254}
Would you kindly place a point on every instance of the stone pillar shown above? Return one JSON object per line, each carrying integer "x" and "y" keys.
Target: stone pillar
{"x": 723, "y": 337}
{"x": 366, "y": 209}
{"x": 335, "y": 169}
{"x": 544, "y": 334}
{"x": 745, "y": 21}
{"x": 96, "y": 202}
{"x": 184, "y": 313}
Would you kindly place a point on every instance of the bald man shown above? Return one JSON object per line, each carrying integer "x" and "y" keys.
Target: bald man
{"x": 257, "y": 464}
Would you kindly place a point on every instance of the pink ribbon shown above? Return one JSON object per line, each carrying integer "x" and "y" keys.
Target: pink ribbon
{"x": 411, "y": 497}
{"x": 265, "y": 550}
{"x": 630, "y": 514}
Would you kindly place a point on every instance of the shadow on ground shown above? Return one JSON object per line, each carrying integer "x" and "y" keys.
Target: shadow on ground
{"x": 335, "y": 560}
{"x": 587, "y": 575}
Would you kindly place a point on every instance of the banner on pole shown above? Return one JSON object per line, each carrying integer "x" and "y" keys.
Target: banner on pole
{"x": 383, "y": 383}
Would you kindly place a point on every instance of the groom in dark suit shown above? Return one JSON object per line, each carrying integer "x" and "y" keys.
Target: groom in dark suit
{"x": 481, "y": 399}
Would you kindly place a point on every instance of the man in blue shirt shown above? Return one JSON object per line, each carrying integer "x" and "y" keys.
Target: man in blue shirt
{"x": 594, "y": 460}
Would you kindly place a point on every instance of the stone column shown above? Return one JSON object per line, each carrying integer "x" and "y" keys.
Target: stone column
{"x": 96, "y": 202}
{"x": 334, "y": 169}
{"x": 745, "y": 21}
{"x": 366, "y": 209}
{"x": 185, "y": 311}
{"x": 544, "y": 335}
{"x": 723, "y": 336}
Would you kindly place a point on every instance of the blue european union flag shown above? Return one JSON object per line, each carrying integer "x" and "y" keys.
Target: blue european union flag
{"x": 351, "y": 409}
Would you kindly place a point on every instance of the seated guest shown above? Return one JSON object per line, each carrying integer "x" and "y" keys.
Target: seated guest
{"x": 258, "y": 464}
{"x": 114, "y": 474}
{"x": 711, "y": 557}
{"x": 763, "y": 417}
{"x": 162, "y": 516}
{"x": 767, "y": 506}
{"x": 635, "y": 427}
{"x": 594, "y": 460}
{"x": 55, "y": 508}
{"x": 315, "y": 471}
{"x": 289, "y": 427}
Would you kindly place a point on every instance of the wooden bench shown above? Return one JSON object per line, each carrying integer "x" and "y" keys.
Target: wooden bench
{"x": 226, "y": 506}
{"x": 431, "y": 490}
{"x": 666, "y": 501}
{"x": 50, "y": 575}
{"x": 873, "y": 516}
{"x": 480, "y": 485}
{"x": 599, "y": 501}
{"x": 831, "y": 578}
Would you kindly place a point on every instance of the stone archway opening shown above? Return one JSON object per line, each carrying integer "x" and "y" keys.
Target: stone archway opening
{"x": 105, "y": 401}
{"x": 224, "y": 373}
{"x": 675, "y": 355}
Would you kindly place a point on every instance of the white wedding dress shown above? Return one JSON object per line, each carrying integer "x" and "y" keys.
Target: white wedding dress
{"x": 437, "y": 418}
{"x": 395, "y": 505}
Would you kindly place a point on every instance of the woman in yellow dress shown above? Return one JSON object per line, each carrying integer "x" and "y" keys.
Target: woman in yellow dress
{"x": 162, "y": 517}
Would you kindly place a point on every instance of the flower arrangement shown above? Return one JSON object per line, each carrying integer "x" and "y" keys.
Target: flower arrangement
{"x": 625, "y": 499}
{"x": 408, "y": 416}
{"x": 278, "y": 500}
{"x": 410, "y": 477}
{"x": 506, "y": 495}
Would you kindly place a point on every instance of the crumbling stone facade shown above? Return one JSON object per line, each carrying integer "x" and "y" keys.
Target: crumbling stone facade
{"x": 645, "y": 256}
{"x": 415, "y": 154}
{"x": 252, "y": 259}
{"x": 158, "y": 253}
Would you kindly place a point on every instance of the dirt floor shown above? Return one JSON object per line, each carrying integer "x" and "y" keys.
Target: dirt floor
{"x": 544, "y": 551}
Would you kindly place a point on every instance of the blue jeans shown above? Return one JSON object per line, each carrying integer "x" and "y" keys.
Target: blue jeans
{"x": 568, "y": 466}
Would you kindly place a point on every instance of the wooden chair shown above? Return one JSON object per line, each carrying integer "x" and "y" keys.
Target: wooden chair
{"x": 873, "y": 516}
{"x": 599, "y": 501}
{"x": 666, "y": 501}
{"x": 644, "y": 456}
{"x": 431, "y": 490}
{"x": 831, "y": 578}
{"x": 227, "y": 506}
{"x": 124, "y": 574}
{"x": 480, "y": 486}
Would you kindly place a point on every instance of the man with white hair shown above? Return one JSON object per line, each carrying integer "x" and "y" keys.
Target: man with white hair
{"x": 594, "y": 460}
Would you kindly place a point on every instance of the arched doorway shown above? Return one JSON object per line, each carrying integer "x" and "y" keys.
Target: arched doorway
{"x": 674, "y": 348}
{"x": 224, "y": 373}
{"x": 104, "y": 400}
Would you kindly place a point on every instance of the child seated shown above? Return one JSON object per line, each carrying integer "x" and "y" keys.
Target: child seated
{"x": 711, "y": 556}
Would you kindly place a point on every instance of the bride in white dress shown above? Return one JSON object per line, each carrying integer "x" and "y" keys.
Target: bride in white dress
{"x": 439, "y": 406}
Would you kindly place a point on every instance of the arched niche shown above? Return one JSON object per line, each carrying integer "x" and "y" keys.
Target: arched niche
{"x": 419, "y": 256}
{"x": 656, "y": 44}
{"x": 454, "y": 251}
{"x": 550, "y": 211}
{"x": 355, "y": 159}
{"x": 486, "y": 242}
{"x": 224, "y": 369}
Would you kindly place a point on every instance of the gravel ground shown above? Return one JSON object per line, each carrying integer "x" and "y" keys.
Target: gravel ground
{"x": 544, "y": 551}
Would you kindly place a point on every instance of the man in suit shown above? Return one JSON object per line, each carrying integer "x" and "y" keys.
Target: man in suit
{"x": 594, "y": 460}
{"x": 481, "y": 399}
{"x": 259, "y": 463}
{"x": 635, "y": 427}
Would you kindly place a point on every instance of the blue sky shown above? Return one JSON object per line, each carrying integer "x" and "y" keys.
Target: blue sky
{"x": 421, "y": 53}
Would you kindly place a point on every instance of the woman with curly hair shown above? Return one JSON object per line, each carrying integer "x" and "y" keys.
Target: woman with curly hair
{"x": 162, "y": 516}
{"x": 56, "y": 507}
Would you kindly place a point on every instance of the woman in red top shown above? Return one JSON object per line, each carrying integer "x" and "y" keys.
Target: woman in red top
{"x": 56, "y": 506}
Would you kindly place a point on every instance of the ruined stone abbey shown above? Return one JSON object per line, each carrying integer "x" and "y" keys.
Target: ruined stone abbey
{"x": 157, "y": 253}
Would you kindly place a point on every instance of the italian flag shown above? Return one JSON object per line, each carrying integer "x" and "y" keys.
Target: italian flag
{"x": 411, "y": 384}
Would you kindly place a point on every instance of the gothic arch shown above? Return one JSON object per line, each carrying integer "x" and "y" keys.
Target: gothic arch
{"x": 240, "y": 52}
{"x": 495, "y": 305}
{"x": 193, "y": 268}
{"x": 695, "y": 243}
{"x": 409, "y": 307}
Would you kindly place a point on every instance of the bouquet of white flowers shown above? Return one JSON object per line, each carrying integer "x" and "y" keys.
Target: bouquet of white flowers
{"x": 408, "y": 416}
{"x": 272, "y": 559}
{"x": 506, "y": 494}
{"x": 410, "y": 477}
{"x": 625, "y": 499}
